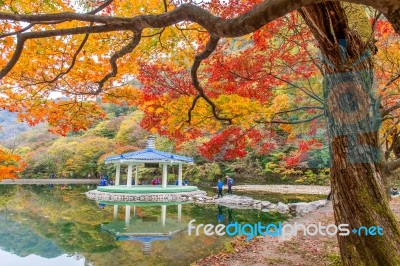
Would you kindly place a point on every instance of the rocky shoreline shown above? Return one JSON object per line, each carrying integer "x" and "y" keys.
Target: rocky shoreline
{"x": 200, "y": 197}
{"x": 242, "y": 202}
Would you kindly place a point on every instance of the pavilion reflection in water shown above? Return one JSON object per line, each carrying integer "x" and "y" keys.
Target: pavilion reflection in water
{"x": 145, "y": 229}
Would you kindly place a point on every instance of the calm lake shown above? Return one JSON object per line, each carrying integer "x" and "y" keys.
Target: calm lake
{"x": 42, "y": 225}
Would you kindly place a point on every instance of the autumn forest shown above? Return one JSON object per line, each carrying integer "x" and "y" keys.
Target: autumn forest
{"x": 275, "y": 91}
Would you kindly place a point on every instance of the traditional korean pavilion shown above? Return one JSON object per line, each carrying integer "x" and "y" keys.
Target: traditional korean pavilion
{"x": 148, "y": 156}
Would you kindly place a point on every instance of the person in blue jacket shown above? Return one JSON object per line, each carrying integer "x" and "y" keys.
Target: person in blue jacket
{"x": 103, "y": 182}
{"x": 220, "y": 186}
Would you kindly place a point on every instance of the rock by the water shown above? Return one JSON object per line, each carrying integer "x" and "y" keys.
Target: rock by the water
{"x": 265, "y": 204}
{"x": 292, "y": 206}
{"x": 303, "y": 208}
{"x": 282, "y": 208}
{"x": 235, "y": 199}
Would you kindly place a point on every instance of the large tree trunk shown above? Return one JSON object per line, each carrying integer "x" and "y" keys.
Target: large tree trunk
{"x": 353, "y": 120}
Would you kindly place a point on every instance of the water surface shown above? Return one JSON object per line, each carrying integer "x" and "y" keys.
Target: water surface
{"x": 60, "y": 226}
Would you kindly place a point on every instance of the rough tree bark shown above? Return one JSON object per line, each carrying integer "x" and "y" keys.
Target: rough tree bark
{"x": 353, "y": 122}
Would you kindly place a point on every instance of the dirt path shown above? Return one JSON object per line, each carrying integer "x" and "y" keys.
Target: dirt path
{"x": 300, "y": 250}
{"x": 286, "y": 189}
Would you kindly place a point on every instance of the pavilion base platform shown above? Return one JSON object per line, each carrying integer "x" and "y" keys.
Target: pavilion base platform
{"x": 145, "y": 194}
{"x": 141, "y": 204}
{"x": 146, "y": 189}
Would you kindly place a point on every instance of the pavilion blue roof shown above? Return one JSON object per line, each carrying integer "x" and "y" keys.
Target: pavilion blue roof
{"x": 149, "y": 155}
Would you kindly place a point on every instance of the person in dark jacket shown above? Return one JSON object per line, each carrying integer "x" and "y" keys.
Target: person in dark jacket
{"x": 229, "y": 182}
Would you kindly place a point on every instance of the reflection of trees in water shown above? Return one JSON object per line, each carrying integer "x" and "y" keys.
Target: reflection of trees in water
{"x": 21, "y": 240}
{"x": 64, "y": 217}
{"x": 72, "y": 223}
{"x": 4, "y": 214}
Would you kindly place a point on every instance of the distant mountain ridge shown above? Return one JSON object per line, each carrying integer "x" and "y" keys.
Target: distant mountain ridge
{"x": 10, "y": 126}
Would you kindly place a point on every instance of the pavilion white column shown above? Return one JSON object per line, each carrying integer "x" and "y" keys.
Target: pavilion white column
{"x": 115, "y": 212}
{"x": 137, "y": 175}
{"x": 179, "y": 212}
{"x": 129, "y": 179}
{"x": 163, "y": 214}
{"x": 127, "y": 214}
{"x": 134, "y": 211}
{"x": 164, "y": 175}
{"x": 180, "y": 175}
{"x": 117, "y": 174}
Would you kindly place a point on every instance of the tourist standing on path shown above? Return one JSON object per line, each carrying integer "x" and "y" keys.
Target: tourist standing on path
{"x": 220, "y": 186}
{"x": 229, "y": 182}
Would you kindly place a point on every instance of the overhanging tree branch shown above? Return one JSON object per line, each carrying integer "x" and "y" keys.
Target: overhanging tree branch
{"x": 289, "y": 122}
{"x": 16, "y": 32}
{"x": 100, "y": 7}
{"x": 391, "y": 166}
{"x": 391, "y": 80}
{"x": 22, "y": 37}
{"x": 113, "y": 60}
{"x": 246, "y": 23}
{"x": 386, "y": 111}
{"x": 210, "y": 47}
{"x": 299, "y": 109}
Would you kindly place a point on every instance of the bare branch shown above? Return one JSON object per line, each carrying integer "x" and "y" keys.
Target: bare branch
{"x": 101, "y": 7}
{"x": 210, "y": 47}
{"x": 304, "y": 90}
{"x": 393, "y": 165}
{"x": 289, "y": 122}
{"x": 73, "y": 60}
{"x": 14, "y": 59}
{"x": 391, "y": 80}
{"x": 22, "y": 37}
{"x": 192, "y": 108}
{"x": 300, "y": 108}
{"x": 386, "y": 111}
{"x": 16, "y": 32}
{"x": 113, "y": 60}
{"x": 246, "y": 23}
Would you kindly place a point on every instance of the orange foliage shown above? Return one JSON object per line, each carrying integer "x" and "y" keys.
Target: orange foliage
{"x": 10, "y": 165}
